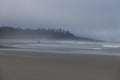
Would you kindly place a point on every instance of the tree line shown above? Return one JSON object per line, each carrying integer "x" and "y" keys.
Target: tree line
{"x": 11, "y": 32}
{"x": 41, "y": 33}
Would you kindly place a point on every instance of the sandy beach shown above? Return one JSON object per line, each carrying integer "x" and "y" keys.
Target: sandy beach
{"x": 30, "y": 65}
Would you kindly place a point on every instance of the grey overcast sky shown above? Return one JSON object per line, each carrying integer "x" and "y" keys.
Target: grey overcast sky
{"x": 95, "y": 18}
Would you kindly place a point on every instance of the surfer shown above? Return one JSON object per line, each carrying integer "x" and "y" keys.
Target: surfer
{"x": 38, "y": 42}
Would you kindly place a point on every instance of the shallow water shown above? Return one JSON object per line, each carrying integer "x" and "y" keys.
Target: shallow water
{"x": 70, "y": 47}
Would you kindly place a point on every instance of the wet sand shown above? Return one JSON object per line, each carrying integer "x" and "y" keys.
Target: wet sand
{"x": 26, "y": 65}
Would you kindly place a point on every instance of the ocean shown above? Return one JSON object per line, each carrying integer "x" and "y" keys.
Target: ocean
{"x": 67, "y": 47}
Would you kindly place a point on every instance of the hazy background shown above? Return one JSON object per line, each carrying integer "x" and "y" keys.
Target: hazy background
{"x": 93, "y": 18}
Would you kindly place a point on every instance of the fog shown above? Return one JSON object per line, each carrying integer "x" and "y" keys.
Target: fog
{"x": 92, "y": 18}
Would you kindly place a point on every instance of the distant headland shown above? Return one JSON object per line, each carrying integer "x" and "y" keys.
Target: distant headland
{"x": 40, "y": 33}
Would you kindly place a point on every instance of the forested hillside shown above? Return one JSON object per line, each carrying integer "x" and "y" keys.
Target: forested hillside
{"x": 19, "y": 33}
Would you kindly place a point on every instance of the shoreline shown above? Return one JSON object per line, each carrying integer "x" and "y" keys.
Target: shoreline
{"x": 58, "y": 52}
